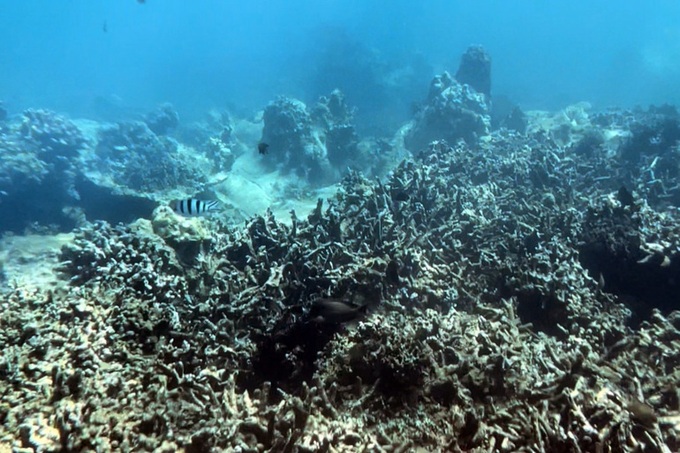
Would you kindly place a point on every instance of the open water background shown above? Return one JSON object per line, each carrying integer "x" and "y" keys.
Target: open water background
{"x": 90, "y": 57}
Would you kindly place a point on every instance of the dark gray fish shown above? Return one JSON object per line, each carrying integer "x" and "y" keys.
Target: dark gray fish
{"x": 192, "y": 207}
{"x": 625, "y": 197}
{"x": 643, "y": 413}
{"x": 336, "y": 311}
{"x": 400, "y": 195}
{"x": 262, "y": 148}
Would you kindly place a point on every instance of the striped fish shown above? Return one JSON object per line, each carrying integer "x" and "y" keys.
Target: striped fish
{"x": 192, "y": 207}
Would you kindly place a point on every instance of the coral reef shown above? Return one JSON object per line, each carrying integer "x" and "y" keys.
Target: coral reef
{"x": 54, "y": 174}
{"x": 653, "y": 131}
{"x": 452, "y": 111}
{"x": 497, "y": 278}
{"x": 636, "y": 254}
{"x": 514, "y": 279}
{"x": 646, "y": 147}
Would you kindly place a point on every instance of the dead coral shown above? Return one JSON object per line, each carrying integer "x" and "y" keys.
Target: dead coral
{"x": 633, "y": 250}
{"x": 484, "y": 330}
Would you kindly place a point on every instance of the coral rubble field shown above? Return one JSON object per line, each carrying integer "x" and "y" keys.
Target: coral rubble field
{"x": 521, "y": 284}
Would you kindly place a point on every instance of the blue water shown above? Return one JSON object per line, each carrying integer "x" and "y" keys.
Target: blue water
{"x": 74, "y": 55}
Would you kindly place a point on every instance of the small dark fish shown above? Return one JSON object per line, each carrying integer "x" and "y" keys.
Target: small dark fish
{"x": 642, "y": 413}
{"x": 192, "y": 207}
{"x": 336, "y": 311}
{"x": 392, "y": 272}
{"x": 400, "y": 195}
{"x": 262, "y": 147}
{"x": 601, "y": 282}
{"x": 625, "y": 197}
{"x": 141, "y": 1}
{"x": 105, "y": 27}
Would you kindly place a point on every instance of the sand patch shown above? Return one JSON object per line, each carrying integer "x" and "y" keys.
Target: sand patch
{"x": 30, "y": 261}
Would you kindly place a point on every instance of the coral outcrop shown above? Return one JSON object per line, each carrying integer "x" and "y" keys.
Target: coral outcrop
{"x": 507, "y": 114}
{"x": 336, "y": 118}
{"x": 55, "y": 172}
{"x": 313, "y": 144}
{"x": 452, "y": 112}
{"x": 162, "y": 120}
{"x": 38, "y": 156}
{"x": 220, "y": 148}
{"x": 134, "y": 158}
{"x": 222, "y": 137}
{"x": 458, "y": 108}
{"x": 475, "y": 69}
{"x": 53, "y": 137}
{"x": 288, "y": 130}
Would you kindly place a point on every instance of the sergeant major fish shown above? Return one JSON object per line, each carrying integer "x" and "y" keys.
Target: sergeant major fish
{"x": 192, "y": 207}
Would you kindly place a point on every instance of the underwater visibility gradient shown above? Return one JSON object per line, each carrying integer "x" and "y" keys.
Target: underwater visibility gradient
{"x": 355, "y": 226}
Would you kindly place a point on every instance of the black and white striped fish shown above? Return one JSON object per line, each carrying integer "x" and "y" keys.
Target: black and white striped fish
{"x": 192, "y": 207}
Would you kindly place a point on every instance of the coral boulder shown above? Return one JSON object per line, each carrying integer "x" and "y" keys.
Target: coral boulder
{"x": 453, "y": 111}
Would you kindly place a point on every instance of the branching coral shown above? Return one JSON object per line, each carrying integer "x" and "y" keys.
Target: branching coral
{"x": 484, "y": 331}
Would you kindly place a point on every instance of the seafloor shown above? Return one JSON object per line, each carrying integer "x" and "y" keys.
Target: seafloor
{"x": 521, "y": 288}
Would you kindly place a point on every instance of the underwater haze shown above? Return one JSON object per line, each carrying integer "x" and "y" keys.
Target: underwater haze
{"x": 82, "y": 57}
{"x": 339, "y": 226}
